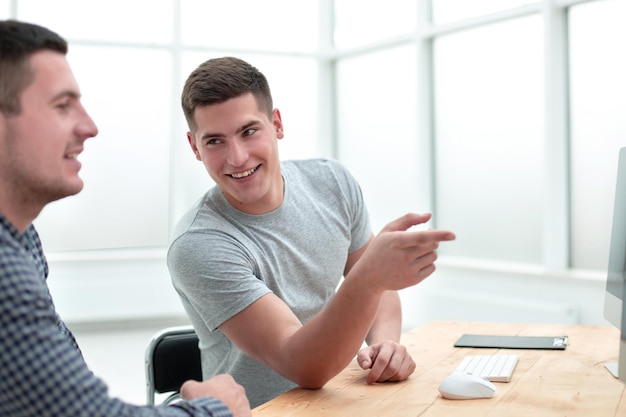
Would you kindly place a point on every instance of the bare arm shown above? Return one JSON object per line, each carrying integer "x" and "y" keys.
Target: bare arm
{"x": 310, "y": 355}
{"x": 388, "y": 322}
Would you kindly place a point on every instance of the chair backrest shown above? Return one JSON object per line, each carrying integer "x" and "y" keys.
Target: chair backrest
{"x": 172, "y": 357}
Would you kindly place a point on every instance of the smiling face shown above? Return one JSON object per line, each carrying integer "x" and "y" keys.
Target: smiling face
{"x": 39, "y": 146}
{"x": 238, "y": 145}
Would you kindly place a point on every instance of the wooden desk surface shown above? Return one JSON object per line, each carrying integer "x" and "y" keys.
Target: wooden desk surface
{"x": 568, "y": 383}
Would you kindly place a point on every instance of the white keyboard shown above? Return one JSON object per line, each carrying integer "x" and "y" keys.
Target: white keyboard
{"x": 496, "y": 368}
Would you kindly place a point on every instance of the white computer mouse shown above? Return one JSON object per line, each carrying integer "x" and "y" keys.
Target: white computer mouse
{"x": 462, "y": 386}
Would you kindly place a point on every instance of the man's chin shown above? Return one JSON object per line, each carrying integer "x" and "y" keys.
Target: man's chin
{"x": 68, "y": 191}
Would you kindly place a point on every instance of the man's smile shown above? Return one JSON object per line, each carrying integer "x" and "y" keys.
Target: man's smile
{"x": 243, "y": 174}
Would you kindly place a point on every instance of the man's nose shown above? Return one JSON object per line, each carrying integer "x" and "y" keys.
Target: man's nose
{"x": 237, "y": 153}
{"x": 86, "y": 127}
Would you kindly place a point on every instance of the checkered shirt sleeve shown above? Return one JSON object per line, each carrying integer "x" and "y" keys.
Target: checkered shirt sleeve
{"x": 42, "y": 372}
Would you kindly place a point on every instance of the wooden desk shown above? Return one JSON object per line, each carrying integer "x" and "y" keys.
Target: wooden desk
{"x": 568, "y": 383}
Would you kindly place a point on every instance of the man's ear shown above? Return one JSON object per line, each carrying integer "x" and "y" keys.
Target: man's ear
{"x": 194, "y": 148}
{"x": 278, "y": 124}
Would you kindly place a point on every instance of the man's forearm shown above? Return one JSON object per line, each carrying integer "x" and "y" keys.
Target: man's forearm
{"x": 388, "y": 322}
{"x": 332, "y": 338}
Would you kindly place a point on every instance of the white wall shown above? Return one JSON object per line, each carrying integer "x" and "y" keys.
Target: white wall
{"x": 113, "y": 286}
{"x": 505, "y": 293}
{"x": 110, "y": 288}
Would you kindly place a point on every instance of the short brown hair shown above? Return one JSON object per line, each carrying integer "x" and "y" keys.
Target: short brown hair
{"x": 220, "y": 79}
{"x": 19, "y": 41}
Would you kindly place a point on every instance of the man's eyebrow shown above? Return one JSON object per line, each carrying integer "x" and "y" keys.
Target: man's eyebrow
{"x": 66, "y": 93}
{"x": 243, "y": 128}
{"x": 248, "y": 125}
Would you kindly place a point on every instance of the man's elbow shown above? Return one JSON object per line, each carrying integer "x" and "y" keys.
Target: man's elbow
{"x": 313, "y": 380}
{"x": 312, "y": 383}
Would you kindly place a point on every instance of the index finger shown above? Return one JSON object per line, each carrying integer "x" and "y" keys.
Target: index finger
{"x": 421, "y": 237}
{"x": 380, "y": 364}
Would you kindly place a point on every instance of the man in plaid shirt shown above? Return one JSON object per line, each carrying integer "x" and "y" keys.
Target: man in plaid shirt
{"x": 43, "y": 127}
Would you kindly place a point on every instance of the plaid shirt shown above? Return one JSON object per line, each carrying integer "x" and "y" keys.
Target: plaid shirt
{"x": 42, "y": 372}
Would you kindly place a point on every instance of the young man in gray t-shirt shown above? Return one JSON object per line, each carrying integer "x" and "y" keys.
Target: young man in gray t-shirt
{"x": 257, "y": 260}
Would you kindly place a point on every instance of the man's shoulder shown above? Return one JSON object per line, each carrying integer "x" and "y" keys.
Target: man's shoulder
{"x": 205, "y": 217}
{"x": 10, "y": 252}
{"x": 18, "y": 266}
{"x": 11, "y": 245}
{"x": 316, "y": 168}
{"x": 320, "y": 162}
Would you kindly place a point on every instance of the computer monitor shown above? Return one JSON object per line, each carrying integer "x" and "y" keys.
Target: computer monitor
{"x": 614, "y": 305}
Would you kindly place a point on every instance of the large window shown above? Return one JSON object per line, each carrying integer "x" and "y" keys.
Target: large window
{"x": 503, "y": 118}
{"x": 489, "y": 137}
{"x": 377, "y": 127}
{"x": 131, "y": 60}
{"x": 598, "y": 126}
{"x": 521, "y": 123}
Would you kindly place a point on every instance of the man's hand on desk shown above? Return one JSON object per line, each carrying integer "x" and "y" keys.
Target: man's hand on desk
{"x": 387, "y": 361}
{"x": 224, "y": 388}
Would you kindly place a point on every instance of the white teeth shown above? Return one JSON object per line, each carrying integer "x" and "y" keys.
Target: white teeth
{"x": 243, "y": 174}
{"x": 72, "y": 155}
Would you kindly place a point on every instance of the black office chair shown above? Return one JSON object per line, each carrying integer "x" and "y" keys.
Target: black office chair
{"x": 172, "y": 357}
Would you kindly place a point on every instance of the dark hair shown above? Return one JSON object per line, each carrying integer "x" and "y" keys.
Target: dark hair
{"x": 18, "y": 42}
{"x": 220, "y": 79}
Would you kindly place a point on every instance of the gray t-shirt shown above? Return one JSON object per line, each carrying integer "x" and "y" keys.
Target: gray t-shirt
{"x": 222, "y": 260}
